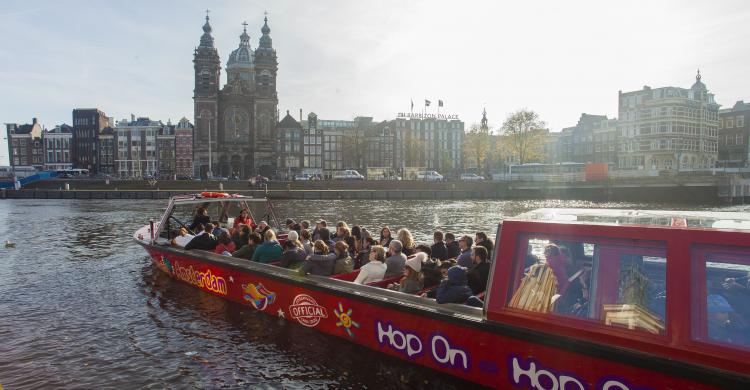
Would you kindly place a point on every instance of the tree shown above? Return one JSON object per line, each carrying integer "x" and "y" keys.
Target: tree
{"x": 524, "y": 135}
{"x": 476, "y": 145}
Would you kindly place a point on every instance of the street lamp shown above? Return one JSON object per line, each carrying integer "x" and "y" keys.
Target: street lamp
{"x": 209, "y": 118}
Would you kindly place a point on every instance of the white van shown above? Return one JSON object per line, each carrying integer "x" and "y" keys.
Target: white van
{"x": 349, "y": 174}
{"x": 429, "y": 176}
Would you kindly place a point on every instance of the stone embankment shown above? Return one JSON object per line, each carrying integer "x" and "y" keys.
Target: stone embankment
{"x": 659, "y": 189}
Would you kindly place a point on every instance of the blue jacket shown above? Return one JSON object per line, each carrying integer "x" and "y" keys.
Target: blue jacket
{"x": 267, "y": 252}
{"x": 455, "y": 289}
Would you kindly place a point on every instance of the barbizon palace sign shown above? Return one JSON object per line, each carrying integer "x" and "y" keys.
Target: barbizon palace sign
{"x": 426, "y": 116}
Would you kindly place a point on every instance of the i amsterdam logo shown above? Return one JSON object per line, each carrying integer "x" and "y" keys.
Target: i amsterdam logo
{"x": 418, "y": 115}
{"x": 306, "y": 310}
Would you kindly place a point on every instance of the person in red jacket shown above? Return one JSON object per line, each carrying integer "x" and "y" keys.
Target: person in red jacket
{"x": 225, "y": 244}
{"x": 244, "y": 219}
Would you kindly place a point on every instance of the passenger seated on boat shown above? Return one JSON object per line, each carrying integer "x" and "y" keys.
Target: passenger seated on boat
{"x": 205, "y": 241}
{"x": 318, "y": 263}
{"x": 225, "y": 244}
{"x": 364, "y": 244}
{"x": 243, "y": 219}
{"x": 240, "y": 236}
{"x": 306, "y": 241}
{"x": 246, "y": 251}
{"x": 424, "y": 248}
{"x": 395, "y": 261}
{"x": 293, "y": 236}
{"x": 438, "y": 249}
{"x": 455, "y": 289}
{"x": 479, "y": 273}
{"x": 320, "y": 224}
{"x": 559, "y": 264}
{"x": 293, "y": 255}
{"x": 385, "y": 237}
{"x": 218, "y": 229}
{"x": 374, "y": 269}
{"x": 412, "y": 282}
{"x": 183, "y": 238}
{"x": 343, "y": 263}
{"x": 201, "y": 218}
{"x": 269, "y": 250}
{"x": 325, "y": 236}
{"x": 451, "y": 246}
{"x": 723, "y": 324}
{"x": 408, "y": 246}
{"x": 343, "y": 234}
{"x": 464, "y": 244}
{"x": 481, "y": 239}
{"x": 442, "y": 269}
{"x": 262, "y": 229}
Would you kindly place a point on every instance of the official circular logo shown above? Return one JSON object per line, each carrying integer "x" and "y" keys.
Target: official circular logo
{"x": 306, "y": 310}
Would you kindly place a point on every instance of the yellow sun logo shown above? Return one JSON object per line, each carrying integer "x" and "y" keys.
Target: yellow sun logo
{"x": 345, "y": 319}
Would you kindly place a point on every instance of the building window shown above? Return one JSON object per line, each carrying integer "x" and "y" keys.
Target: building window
{"x": 729, "y": 122}
{"x": 603, "y": 282}
{"x": 720, "y": 300}
{"x": 741, "y": 121}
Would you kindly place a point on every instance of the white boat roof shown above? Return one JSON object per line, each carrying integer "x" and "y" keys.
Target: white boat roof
{"x": 676, "y": 218}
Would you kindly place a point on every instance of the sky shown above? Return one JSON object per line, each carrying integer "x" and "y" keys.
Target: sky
{"x": 342, "y": 59}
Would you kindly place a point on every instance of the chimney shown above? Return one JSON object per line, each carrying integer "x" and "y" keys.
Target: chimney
{"x": 33, "y": 121}
{"x": 300, "y": 115}
{"x": 132, "y": 118}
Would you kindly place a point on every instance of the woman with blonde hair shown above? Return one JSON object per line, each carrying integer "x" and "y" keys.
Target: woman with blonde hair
{"x": 269, "y": 250}
{"x": 407, "y": 241}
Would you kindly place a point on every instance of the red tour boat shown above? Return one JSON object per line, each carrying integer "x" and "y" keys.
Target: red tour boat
{"x": 577, "y": 299}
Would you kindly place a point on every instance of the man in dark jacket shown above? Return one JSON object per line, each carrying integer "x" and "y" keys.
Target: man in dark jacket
{"x": 325, "y": 236}
{"x": 205, "y": 241}
{"x": 454, "y": 289}
{"x": 439, "y": 250}
{"x": 451, "y": 246}
{"x": 480, "y": 271}
{"x": 481, "y": 239}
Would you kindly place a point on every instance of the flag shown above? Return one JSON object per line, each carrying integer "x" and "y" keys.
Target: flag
{"x": 427, "y": 103}
{"x": 412, "y": 104}
{"x": 440, "y": 103}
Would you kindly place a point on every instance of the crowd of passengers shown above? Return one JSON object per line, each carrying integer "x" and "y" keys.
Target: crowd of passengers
{"x": 448, "y": 269}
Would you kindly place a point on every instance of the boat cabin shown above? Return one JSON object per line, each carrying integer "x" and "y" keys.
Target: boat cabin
{"x": 674, "y": 284}
{"x": 221, "y": 207}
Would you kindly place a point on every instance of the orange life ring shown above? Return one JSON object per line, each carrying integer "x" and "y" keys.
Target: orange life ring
{"x": 214, "y": 194}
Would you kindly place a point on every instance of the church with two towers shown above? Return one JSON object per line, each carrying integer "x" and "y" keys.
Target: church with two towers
{"x": 235, "y": 124}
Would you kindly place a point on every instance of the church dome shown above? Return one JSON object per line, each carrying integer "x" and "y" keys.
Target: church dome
{"x": 265, "y": 39}
{"x": 206, "y": 39}
{"x": 242, "y": 57}
{"x": 698, "y": 85}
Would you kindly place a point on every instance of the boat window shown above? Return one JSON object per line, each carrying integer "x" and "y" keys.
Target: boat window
{"x": 616, "y": 283}
{"x": 721, "y": 300}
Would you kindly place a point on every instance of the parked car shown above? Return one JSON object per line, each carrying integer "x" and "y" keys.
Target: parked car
{"x": 471, "y": 177}
{"x": 303, "y": 177}
{"x": 349, "y": 174}
{"x": 429, "y": 176}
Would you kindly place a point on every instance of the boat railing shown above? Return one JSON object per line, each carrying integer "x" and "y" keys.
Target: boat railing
{"x": 371, "y": 291}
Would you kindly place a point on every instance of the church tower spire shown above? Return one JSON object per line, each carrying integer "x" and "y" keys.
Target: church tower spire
{"x": 207, "y": 66}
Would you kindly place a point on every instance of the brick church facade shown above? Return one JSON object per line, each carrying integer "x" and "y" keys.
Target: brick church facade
{"x": 240, "y": 117}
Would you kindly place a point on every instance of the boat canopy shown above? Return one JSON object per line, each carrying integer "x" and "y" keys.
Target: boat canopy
{"x": 620, "y": 217}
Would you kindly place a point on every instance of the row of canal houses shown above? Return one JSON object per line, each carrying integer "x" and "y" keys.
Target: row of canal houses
{"x": 135, "y": 148}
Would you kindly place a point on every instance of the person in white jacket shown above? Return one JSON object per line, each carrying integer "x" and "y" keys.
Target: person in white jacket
{"x": 374, "y": 270}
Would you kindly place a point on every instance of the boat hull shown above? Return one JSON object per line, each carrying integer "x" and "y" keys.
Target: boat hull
{"x": 463, "y": 345}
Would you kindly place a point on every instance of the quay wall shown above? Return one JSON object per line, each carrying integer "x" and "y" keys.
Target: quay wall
{"x": 654, "y": 191}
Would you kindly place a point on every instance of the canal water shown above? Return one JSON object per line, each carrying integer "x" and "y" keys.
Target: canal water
{"x": 81, "y": 306}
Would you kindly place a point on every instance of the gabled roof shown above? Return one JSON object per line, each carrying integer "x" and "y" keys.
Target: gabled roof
{"x": 288, "y": 123}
